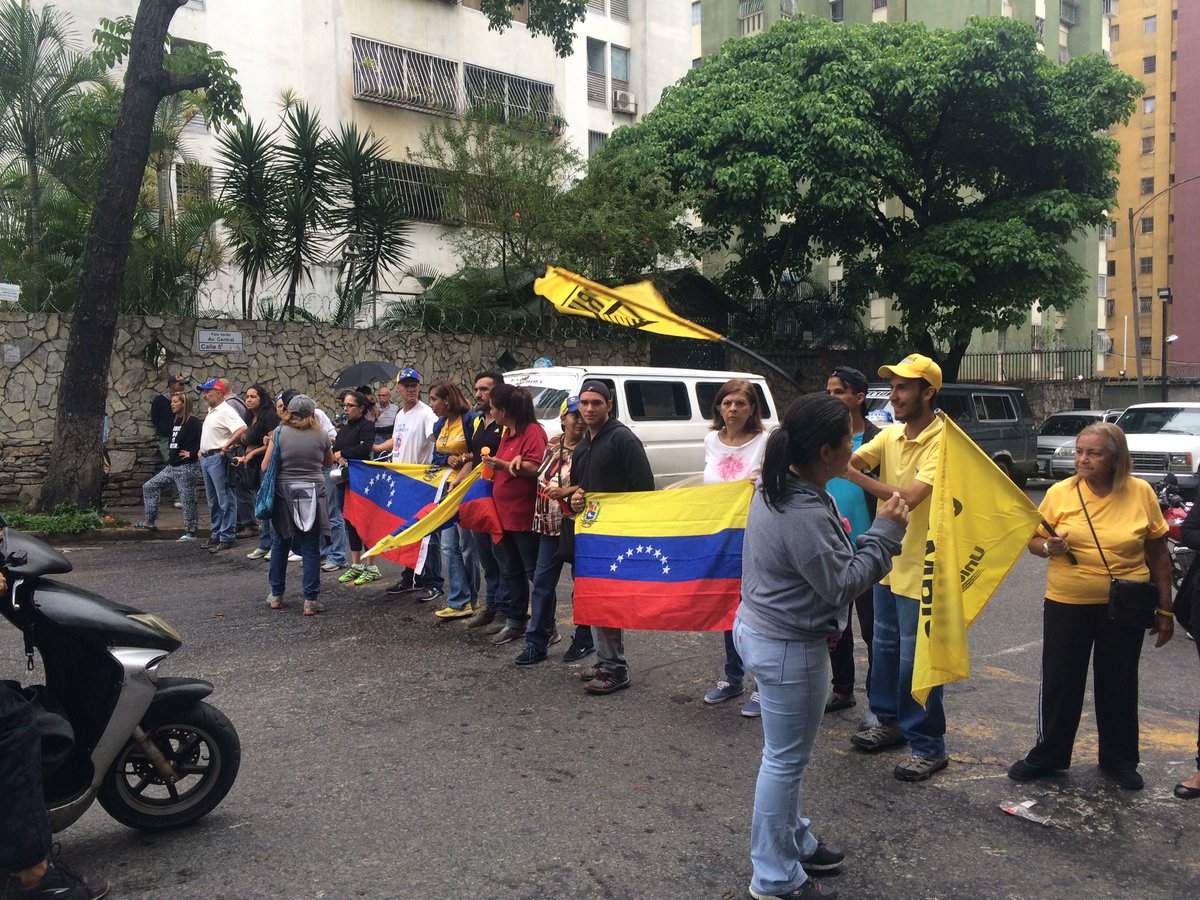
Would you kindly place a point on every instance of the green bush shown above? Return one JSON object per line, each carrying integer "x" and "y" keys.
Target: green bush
{"x": 65, "y": 519}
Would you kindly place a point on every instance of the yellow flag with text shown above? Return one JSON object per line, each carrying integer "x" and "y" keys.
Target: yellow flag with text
{"x": 979, "y": 523}
{"x": 638, "y": 306}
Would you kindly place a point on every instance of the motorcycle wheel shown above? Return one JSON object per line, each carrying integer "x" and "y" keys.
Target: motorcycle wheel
{"x": 201, "y": 743}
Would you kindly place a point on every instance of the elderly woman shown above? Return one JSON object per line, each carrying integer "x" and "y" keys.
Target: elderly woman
{"x": 182, "y": 469}
{"x": 300, "y": 509}
{"x": 800, "y": 572}
{"x": 1129, "y": 543}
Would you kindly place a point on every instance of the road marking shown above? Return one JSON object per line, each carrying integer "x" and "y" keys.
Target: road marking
{"x": 1020, "y": 648}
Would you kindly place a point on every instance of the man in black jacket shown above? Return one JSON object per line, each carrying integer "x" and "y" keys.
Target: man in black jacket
{"x": 609, "y": 458}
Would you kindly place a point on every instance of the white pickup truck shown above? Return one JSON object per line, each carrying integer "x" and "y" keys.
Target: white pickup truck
{"x": 1164, "y": 437}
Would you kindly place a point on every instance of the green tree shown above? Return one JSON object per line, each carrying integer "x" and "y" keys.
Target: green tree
{"x": 250, "y": 188}
{"x": 304, "y": 179}
{"x": 947, "y": 169}
{"x": 554, "y": 18}
{"x": 156, "y": 69}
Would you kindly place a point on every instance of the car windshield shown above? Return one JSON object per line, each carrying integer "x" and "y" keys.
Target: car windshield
{"x": 1161, "y": 420}
{"x": 1065, "y": 426}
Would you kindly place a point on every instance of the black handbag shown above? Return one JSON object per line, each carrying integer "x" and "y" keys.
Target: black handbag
{"x": 566, "y": 542}
{"x": 1130, "y": 603}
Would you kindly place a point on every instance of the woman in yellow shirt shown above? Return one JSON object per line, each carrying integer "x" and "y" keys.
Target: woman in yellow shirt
{"x": 1129, "y": 526}
{"x": 452, "y": 433}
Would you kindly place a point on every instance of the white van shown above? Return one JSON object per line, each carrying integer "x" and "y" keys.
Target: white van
{"x": 670, "y": 410}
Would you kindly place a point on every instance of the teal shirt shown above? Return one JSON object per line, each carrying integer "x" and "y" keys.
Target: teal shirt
{"x": 851, "y": 499}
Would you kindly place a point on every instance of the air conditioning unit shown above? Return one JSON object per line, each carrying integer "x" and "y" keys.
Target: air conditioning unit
{"x": 624, "y": 102}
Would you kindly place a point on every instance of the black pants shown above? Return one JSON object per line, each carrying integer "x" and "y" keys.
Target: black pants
{"x": 24, "y": 827}
{"x": 1071, "y": 634}
{"x": 841, "y": 653}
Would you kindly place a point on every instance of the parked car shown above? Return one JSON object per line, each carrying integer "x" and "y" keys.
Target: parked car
{"x": 1062, "y": 428}
{"x": 998, "y": 419}
{"x": 670, "y": 410}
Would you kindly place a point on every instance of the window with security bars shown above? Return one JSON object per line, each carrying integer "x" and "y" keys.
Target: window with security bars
{"x": 396, "y": 76}
{"x": 1147, "y": 225}
{"x": 837, "y": 10}
{"x": 511, "y": 98}
{"x": 1147, "y": 186}
{"x": 1149, "y": 64}
{"x": 1102, "y": 286}
{"x": 1148, "y": 144}
{"x": 750, "y": 17}
{"x": 596, "y": 140}
{"x": 1145, "y": 305}
{"x": 597, "y": 70}
{"x": 1145, "y": 265}
{"x": 1144, "y": 346}
{"x": 422, "y": 189}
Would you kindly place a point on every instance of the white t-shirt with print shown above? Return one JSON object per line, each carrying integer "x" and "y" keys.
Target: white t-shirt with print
{"x": 412, "y": 435}
{"x": 724, "y": 463}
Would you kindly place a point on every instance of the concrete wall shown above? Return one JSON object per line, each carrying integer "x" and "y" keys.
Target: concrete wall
{"x": 275, "y": 354}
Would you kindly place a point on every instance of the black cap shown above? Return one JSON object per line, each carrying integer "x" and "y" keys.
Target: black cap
{"x": 852, "y": 378}
{"x": 597, "y": 387}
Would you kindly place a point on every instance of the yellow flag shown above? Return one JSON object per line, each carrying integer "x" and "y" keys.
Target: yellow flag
{"x": 974, "y": 538}
{"x": 638, "y": 306}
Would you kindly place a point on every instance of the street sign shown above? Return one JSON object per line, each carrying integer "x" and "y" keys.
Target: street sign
{"x": 208, "y": 341}
{"x": 10, "y": 293}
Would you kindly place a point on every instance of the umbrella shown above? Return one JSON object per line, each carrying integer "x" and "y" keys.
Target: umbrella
{"x": 365, "y": 373}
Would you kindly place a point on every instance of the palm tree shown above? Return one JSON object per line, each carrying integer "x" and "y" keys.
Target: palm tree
{"x": 250, "y": 189}
{"x": 303, "y": 198}
{"x": 41, "y": 74}
{"x": 166, "y": 267}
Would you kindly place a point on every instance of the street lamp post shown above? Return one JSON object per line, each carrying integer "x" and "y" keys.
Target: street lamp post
{"x": 1133, "y": 291}
{"x": 1164, "y": 294}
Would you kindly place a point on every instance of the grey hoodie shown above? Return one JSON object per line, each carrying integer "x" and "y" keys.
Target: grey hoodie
{"x": 799, "y": 569}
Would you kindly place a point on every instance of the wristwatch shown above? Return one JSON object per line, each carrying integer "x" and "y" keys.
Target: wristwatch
{"x": 1046, "y": 548}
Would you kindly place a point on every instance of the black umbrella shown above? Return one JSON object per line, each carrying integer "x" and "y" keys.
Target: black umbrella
{"x": 365, "y": 373}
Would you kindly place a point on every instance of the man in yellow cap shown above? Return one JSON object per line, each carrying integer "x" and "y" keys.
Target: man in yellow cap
{"x": 906, "y": 454}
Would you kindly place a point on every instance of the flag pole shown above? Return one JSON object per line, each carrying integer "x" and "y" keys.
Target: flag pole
{"x": 762, "y": 359}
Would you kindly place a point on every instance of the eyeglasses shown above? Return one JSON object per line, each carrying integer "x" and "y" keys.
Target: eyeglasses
{"x": 350, "y": 406}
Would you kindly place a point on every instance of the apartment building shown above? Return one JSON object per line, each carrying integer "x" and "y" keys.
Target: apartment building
{"x": 1149, "y": 295}
{"x": 1067, "y": 27}
{"x": 399, "y": 66}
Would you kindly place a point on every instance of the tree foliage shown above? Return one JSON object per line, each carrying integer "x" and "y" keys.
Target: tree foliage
{"x": 554, "y": 18}
{"x": 946, "y": 169}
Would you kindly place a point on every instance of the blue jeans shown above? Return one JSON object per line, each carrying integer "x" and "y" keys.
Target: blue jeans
{"x": 735, "y": 671}
{"x": 793, "y": 683}
{"x": 23, "y": 819}
{"x": 222, "y": 500}
{"x": 308, "y": 545}
{"x": 462, "y": 574}
{"x": 518, "y": 562}
{"x": 543, "y": 600}
{"x": 485, "y": 553}
{"x": 338, "y": 545}
{"x": 894, "y": 646}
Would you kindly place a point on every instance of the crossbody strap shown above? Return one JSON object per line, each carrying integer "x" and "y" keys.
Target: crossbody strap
{"x": 1093, "y": 530}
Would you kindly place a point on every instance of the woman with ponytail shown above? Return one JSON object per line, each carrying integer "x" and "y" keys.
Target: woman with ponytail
{"x": 800, "y": 571}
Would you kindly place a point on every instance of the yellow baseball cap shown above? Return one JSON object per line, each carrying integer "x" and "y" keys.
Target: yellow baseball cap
{"x": 915, "y": 366}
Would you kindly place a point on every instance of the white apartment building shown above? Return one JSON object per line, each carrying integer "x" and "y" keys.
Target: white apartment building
{"x": 398, "y": 66}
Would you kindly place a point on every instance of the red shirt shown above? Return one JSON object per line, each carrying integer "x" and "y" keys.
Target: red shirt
{"x": 514, "y": 496}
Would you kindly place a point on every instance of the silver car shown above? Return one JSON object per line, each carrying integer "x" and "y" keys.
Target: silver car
{"x": 1062, "y": 428}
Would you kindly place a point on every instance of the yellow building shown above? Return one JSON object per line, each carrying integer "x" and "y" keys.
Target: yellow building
{"x": 1143, "y": 40}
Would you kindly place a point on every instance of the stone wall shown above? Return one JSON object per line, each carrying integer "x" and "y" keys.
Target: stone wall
{"x": 276, "y": 354}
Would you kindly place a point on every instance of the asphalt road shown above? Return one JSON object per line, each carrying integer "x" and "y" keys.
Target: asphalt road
{"x": 388, "y": 754}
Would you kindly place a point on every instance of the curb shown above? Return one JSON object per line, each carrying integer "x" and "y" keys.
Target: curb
{"x": 106, "y": 535}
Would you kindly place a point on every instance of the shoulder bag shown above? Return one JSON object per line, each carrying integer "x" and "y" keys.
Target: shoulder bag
{"x": 265, "y": 501}
{"x": 1130, "y": 603}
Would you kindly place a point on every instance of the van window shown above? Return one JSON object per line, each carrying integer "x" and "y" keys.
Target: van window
{"x": 994, "y": 408}
{"x": 956, "y": 406}
{"x": 657, "y": 400}
{"x": 706, "y": 396}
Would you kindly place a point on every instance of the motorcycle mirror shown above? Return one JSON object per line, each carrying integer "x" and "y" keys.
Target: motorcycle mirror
{"x": 16, "y": 559}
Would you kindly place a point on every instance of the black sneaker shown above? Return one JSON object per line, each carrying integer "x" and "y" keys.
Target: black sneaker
{"x": 1024, "y": 770}
{"x": 424, "y": 594}
{"x": 578, "y": 651}
{"x": 530, "y": 656}
{"x": 1130, "y": 779}
{"x": 400, "y": 587}
{"x": 824, "y": 859}
{"x": 59, "y": 883}
{"x": 221, "y": 546}
{"x": 810, "y": 890}
{"x": 209, "y": 544}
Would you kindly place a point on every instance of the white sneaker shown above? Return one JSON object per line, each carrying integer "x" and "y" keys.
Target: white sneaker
{"x": 294, "y": 557}
{"x": 258, "y": 553}
{"x": 177, "y": 505}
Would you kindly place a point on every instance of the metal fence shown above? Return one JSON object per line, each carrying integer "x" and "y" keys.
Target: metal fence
{"x": 1030, "y": 365}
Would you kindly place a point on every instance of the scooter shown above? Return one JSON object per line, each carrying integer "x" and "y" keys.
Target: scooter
{"x": 1175, "y": 509}
{"x": 148, "y": 747}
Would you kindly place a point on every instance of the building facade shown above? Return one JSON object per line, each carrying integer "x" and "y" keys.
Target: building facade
{"x": 1067, "y": 27}
{"x": 398, "y": 67}
{"x": 1156, "y": 42}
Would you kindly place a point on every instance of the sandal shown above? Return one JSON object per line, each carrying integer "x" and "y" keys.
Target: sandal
{"x": 143, "y": 526}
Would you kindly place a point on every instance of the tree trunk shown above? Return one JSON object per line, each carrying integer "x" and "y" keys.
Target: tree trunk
{"x": 74, "y": 472}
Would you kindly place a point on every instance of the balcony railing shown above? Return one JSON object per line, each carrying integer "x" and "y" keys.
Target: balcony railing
{"x": 1034, "y": 365}
{"x": 395, "y": 76}
{"x": 513, "y": 99}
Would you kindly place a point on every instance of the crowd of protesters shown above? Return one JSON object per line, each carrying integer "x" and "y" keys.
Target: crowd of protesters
{"x": 837, "y": 524}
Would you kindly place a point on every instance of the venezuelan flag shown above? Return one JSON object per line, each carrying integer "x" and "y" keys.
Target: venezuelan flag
{"x": 383, "y": 499}
{"x": 661, "y": 561}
